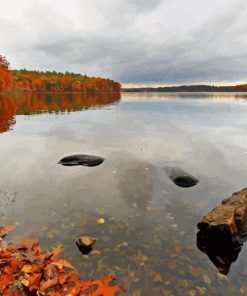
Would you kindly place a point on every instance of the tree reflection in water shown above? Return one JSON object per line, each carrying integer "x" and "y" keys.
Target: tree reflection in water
{"x": 30, "y": 103}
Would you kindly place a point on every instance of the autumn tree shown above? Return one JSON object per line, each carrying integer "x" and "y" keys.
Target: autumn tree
{"x": 5, "y": 74}
{"x": 31, "y": 81}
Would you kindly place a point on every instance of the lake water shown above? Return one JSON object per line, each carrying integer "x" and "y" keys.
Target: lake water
{"x": 148, "y": 239}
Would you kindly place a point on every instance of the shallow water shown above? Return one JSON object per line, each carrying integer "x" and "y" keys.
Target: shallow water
{"x": 148, "y": 239}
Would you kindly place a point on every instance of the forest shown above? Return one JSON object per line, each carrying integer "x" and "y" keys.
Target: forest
{"x": 189, "y": 88}
{"x": 39, "y": 81}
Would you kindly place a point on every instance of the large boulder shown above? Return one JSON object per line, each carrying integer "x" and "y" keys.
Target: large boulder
{"x": 223, "y": 231}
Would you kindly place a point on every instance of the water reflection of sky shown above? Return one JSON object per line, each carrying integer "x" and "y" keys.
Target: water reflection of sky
{"x": 206, "y": 137}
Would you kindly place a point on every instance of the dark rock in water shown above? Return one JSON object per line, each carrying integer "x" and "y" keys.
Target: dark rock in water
{"x": 85, "y": 244}
{"x": 180, "y": 177}
{"x": 81, "y": 159}
{"x": 223, "y": 231}
{"x": 220, "y": 246}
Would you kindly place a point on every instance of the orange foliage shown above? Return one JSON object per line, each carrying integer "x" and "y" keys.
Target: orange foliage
{"x": 35, "y": 81}
{"x": 5, "y": 75}
{"x": 27, "y": 271}
{"x": 38, "y": 81}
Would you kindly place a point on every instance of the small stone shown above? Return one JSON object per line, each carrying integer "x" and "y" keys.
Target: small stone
{"x": 101, "y": 221}
{"x": 242, "y": 290}
{"x": 157, "y": 278}
{"x": 201, "y": 290}
{"x": 192, "y": 292}
{"x": 206, "y": 279}
{"x": 95, "y": 252}
{"x": 85, "y": 243}
{"x": 125, "y": 244}
{"x": 221, "y": 276}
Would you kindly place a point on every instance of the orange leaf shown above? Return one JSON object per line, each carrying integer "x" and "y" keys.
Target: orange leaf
{"x": 6, "y": 230}
{"x": 5, "y": 280}
{"x": 29, "y": 243}
{"x": 26, "y": 268}
{"x": 50, "y": 272}
{"x": 61, "y": 263}
{"x": 10, "y": 292}
{"x": 34, "y": 281}
{"x": 57, "y": 250}
{"x": 49, "y": 283}
{"x": 12, "y": 266}
{"x": 104, "y": 288}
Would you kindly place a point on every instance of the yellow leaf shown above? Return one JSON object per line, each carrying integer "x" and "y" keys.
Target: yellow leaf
{"x": 25, "y": 282}
{"x": 26, "y": 268}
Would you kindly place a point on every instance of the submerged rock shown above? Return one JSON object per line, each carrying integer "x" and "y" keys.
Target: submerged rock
{"x": 85, "y": 244}
{"x": 81, "y": 159}
{"x": 181, "y": 178}
{"x": 223, "y": 231}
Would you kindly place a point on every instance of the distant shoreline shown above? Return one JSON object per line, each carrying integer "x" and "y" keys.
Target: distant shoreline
{"x": 189, "y": 88}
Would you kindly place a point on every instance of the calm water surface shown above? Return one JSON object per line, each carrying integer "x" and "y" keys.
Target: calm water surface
{"x": 148, "y": 239}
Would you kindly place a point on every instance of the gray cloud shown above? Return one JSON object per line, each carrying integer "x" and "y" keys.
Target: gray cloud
{"x": 138, "y": 41}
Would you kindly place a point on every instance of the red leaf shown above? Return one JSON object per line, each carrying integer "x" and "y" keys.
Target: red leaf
{"x": 6, "y": 280}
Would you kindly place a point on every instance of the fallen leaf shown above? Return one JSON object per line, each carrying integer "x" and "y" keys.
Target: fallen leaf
{"x": 6, "y": 230}
{"x": 29, "y": 243}
{"x": 104, "y": 288}
{"x": 25, "y": 282}
{"x": 6, "y": 280}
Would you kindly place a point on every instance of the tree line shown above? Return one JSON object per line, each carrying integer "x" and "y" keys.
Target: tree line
{"x": 51, "y": 81}
{"x": 190, "y": 88}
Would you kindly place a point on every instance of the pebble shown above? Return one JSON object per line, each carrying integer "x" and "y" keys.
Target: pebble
{"x": 221, "y": 276}
{"x": 207, "y": 279}
{"x": 101, "y": 221}
{"x": 95, "y": 252}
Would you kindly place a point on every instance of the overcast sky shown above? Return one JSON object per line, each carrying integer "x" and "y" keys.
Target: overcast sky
{"x": 133, "y": 41}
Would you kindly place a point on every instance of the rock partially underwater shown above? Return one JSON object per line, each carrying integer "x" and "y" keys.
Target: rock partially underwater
{"x": 223, "y": 231}
{"x": 81, "y": 159}
{"x": 180, "y": 177}
{"x": 85, "y": 244}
